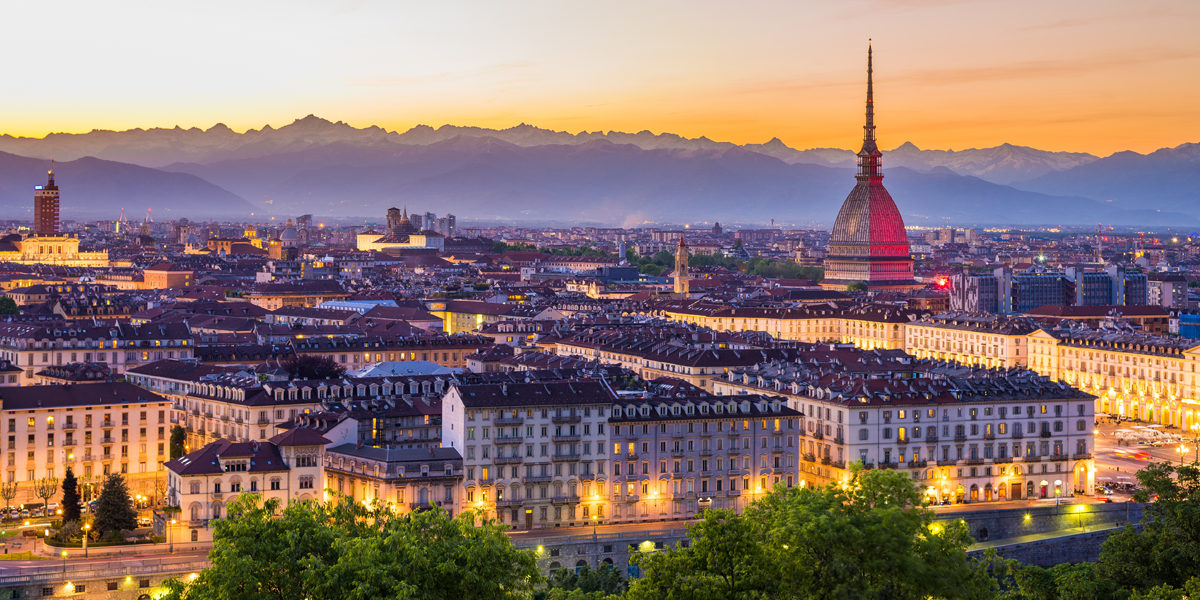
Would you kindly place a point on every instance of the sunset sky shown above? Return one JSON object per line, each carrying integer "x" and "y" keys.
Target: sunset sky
{"x": 1098, "y": 76}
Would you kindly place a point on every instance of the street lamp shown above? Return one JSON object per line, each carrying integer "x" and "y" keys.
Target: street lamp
{"x": 64, "y": 555}
{"x": 170, "y": 540}
{"x": 596, "y": 555}
{"x": 1182, "y": 450}
{"x": 86, "y": 530}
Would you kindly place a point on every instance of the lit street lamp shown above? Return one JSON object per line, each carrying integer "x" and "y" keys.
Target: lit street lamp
{"x": 64, "y": 555}
{"x": 87, "y": 529}
{"x": 170, "y": 540}
{"x": 1182, "y": 450}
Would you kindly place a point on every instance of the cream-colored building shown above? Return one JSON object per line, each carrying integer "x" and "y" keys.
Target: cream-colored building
{"x": 52, "y": 250}
{"x": 969, "y": 437}
{"x": 289, "y": 467}
{"x": 984, "y": 340}
{"x": 1143, "y": 377}
{"x": 95, "y": 428}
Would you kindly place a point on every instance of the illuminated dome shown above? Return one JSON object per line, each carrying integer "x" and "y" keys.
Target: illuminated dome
{"x": 869, "y": 244}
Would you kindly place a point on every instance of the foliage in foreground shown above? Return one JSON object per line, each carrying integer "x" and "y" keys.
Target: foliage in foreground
{"x": 343, "y": 550}
{"x": 868, "y": 539}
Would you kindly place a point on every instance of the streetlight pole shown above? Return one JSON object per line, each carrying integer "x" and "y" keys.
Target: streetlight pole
{"x": 64, "y": 555}
{"x": 595, "y": 553}
{"x": 87, "y": 529}
{"x": 170, "y": 540}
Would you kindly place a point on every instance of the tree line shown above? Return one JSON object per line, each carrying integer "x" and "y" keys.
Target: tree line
{"x": 870, "y": 538}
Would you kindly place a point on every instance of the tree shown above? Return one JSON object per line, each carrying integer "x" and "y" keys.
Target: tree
{"x": 45, "y": 488}
{"x": 178, "y": 438}
{"x": 344, "y": 550}
{"x": 599, "y": 584}
{"x": 70, "y": 498}
{"x": 8, "y": 491}
{"x": 836, "y": 541}
{"x": 313, "y": 366}
{"x": 857, "y": 286}
{"x": 8, "y": 306}
{"x": 114, "y": 510}
{"x": 1166, "y": 547}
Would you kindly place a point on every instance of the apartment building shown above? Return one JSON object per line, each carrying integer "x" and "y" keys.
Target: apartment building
{"x": 975, "y": 339}
{"x": 289, "y": 467}
{"x": 533, "y": 453}
{"x": 1133, "y": 375}
{"x": 33, "y": 347}
{"x": 672, "y": 458}
{"x": 95, "y": 429}
{"x": 404, "y": 479}
{"x": 964, "y": 434}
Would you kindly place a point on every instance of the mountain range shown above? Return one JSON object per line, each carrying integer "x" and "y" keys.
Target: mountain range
{"x": 526, "y": 173}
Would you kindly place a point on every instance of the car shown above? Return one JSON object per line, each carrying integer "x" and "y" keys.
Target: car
{"x": 24, "y": 513}
{"x": 144, "y": 522}
{"x": 1106, "y": 500}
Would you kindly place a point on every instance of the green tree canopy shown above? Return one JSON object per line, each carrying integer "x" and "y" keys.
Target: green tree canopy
{"x": 114, "y": 510}
{"x": 867, "y": 539}
{"x": 343, "y": 550}
{"x": 1165, "y": 550}
{"x": 70, "y": 499}
{"x": 313, "y": 366}
{"x": 8, "y": 306}
{"x": 178, "y": 439}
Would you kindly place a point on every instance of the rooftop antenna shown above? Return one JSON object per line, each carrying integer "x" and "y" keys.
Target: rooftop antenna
{"x": 1099, "y": 243}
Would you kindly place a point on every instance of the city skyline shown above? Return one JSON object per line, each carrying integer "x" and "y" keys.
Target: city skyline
{"x": 743, "y": 76}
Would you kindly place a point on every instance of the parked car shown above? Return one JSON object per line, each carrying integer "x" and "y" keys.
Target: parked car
{"x": 144, "y": 522}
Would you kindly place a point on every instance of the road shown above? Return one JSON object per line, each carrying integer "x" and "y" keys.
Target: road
{"x": 1119, "y": 462}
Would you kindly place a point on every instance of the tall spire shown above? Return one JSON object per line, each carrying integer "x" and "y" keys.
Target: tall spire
{"x": 51, "y": 173}
{"x": 868, "y": 157}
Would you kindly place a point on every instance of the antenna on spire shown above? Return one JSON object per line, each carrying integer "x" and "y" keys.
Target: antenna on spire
{"x": 868, "y": 157}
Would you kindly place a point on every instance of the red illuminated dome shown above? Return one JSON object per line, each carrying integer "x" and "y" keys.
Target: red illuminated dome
{"x": 869, "y": 244}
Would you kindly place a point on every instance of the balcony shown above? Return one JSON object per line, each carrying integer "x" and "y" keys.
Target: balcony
{"x": 487, "y": 481}
{"x": 566, "y": 419}
{"x": 818, "y": 434}
{"x": 888, "y": 465}
{"x": 1030, "y": 458}
{"x": 974, "y": 461}
{"x": 1081, "y": 456}
{"x": 509, "y": 421}
{"x": 107, "y": 440}
{"x": 989, "y": 436}
{"x": 1002, "y": 460}
{"x": 1058, "y": 457}
{"x": 917, "y": 464}
{"x": 569, "y": 499}
{"x": 69, "y": 425}
{"x": 507, "y": 439}
{"x": 566, "y": 437}
{"x": 570, "y": 456}
{"x": 809, "y": 457}
{"x": 841, "y": 440}
{"x": 107, "y": 424}
{"x": 706, "y": 452}
{"x": 631, "y": 456}
{"x": 507, "y": 460}
{"x": 931, "y": 437}
{"x": 825, "y": 460}
{"x": 509, "y": 502}
{"x": 633, "y": 498}
{"x": 960, "y": 437}
{"x": 1044, "y": 434}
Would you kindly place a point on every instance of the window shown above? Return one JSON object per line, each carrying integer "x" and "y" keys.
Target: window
{"x": 306, "y": 482}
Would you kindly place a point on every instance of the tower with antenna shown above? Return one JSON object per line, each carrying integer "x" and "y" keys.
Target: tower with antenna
{"x": 45, "y": 206}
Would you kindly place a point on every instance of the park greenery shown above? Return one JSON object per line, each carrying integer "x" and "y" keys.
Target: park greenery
{"x": 115, "y": 515}
{"x": 344, "y": 550}
{"x": 870, "y": 537}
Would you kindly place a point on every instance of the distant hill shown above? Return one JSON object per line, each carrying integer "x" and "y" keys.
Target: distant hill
{"x": 94, "y": 188}
{"x": 159, "y": 147}
{"x": 488, "y": 178}
{"x": 526, "y": 172}
{"x": 1167, "y": 179}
